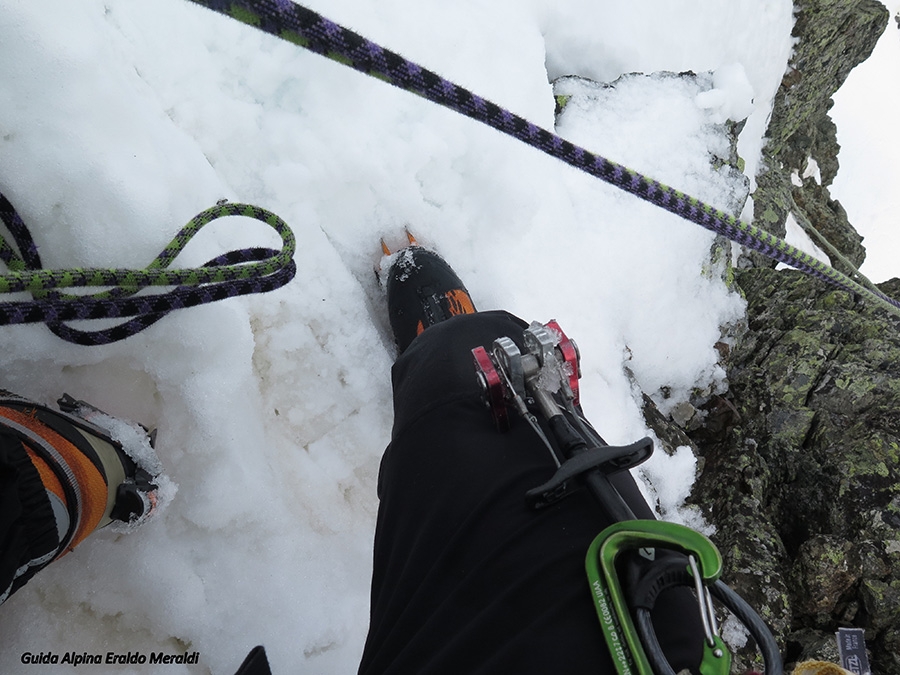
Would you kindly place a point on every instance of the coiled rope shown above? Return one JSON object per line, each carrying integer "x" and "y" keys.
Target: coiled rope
{"x": 310, "y": 30}
{"x": 240, "y": 272}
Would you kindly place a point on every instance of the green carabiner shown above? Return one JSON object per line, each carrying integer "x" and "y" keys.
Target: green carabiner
{"x": 716, "y": 658}
{"x": 609, "y": 598}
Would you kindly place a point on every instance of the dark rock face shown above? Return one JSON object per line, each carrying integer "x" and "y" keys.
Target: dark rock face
{"x": 833, "y": 37}
{"x": 802, "y": 469}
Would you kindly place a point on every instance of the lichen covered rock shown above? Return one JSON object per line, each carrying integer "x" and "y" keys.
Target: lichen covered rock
{"x": 803, "y": 478}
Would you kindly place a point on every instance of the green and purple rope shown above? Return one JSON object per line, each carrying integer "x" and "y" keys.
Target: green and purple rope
{"x": 241, "y": 272}
{"x": 260, "y": 270}
{"x": 310, "y": 30}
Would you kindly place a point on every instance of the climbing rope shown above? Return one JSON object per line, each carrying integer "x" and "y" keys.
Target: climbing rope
{"x": 240, "y": 272}
{"x": 314, "y": 32}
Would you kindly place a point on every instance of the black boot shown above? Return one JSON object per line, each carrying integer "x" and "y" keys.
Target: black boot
{"x": 423, "y": 290}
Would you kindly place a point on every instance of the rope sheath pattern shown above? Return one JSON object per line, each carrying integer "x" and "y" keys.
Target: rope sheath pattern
{"x": 155, "y": 274}
{"x": 252, "y": 270}
{"x": 314, "y": 32}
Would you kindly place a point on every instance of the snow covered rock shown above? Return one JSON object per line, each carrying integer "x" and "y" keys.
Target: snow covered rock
{"x": 801, "y": 459}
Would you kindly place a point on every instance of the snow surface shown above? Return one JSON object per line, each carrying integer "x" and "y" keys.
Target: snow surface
{"x": 122, "y": 119}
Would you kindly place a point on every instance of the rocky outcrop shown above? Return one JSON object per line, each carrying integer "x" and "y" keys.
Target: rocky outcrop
{"x": 833, "y": 36}
{"x": 801, "y": 458}
{"x": 802, "y": 466}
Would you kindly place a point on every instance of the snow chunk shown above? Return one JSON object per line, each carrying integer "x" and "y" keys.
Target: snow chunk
{"x": 131, "y": 436}
{"x": 812, "y": 170}
{"x": 731, "y": 97}
{"x": 734, "y": 633}
{"x": 667, "y": 481}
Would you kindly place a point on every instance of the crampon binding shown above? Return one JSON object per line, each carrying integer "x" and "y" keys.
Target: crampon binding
{"x": 124, "y": 451}
{"x": 137, "y": 497}
{"x": 543, "y": 381}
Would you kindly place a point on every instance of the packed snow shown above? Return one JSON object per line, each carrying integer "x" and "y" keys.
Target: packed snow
{"x": 121, "y": 120}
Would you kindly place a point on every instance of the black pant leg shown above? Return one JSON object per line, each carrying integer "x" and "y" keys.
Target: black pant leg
{"x": 468, "y": 579}
{"x": 28, "y": 534}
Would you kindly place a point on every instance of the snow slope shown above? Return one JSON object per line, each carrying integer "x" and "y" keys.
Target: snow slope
{"x": 121, "y": 119}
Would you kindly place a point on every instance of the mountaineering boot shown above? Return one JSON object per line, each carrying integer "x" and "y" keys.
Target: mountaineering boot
{"x": 422, "y": 290}
{"x": 70, "y": 478}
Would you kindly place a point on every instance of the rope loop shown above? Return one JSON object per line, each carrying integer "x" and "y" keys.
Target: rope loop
{"x": 239, "y": 272}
